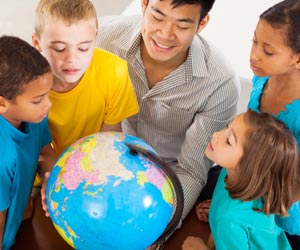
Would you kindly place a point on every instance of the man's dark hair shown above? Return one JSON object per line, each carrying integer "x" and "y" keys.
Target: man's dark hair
{"x": 206, "y": 5}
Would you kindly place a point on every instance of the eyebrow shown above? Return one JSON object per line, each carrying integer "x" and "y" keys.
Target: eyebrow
{"x": 234, "y": 135}
{"x": 56, "y": 42}
{"x": 186, "y": 20}
{"x": 266, "y": 44}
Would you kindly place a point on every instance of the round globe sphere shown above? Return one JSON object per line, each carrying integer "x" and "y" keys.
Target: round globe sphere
{"x": 102, "y": 194}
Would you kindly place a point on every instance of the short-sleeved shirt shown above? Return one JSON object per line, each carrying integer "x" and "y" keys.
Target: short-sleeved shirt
{"x": 236, "y": 226}
{"x": 291, "y": 117}
{"x": 19, "y": 160}
{"x": 104, "y": 95}
{"x": 180, "y": 113}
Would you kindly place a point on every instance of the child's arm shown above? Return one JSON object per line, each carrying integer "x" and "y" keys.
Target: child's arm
{"x": 116, "y": 127}
{"x": 2, "y": 225}
{"x": 46, "y": 162}
{"x": 210, "y": 242}
{"x": 194, "y": 243}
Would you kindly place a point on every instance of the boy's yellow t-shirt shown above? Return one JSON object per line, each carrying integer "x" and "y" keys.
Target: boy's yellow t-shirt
{"x": 104, "y": 95}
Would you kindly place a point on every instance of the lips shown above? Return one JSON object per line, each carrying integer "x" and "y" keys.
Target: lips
{"x": 210, "y": 147}
{"x": 254, "y": 67}
{"x": 70, "y": 71}
{"x": 162, "y": 46}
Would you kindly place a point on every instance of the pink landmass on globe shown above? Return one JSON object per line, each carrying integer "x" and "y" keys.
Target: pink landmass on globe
{"x": 76, "y": 173}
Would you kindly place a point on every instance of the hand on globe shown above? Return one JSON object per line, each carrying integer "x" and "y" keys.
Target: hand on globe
{"x": 43, "y": 194}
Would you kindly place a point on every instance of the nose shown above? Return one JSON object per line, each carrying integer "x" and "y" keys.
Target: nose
{"x": 166, "y": 31}
{"x": 71, "y": 55}
{"x": 254, "y": 53}
{"x": 48, "y": 103}
{"x": 215, "y": 136}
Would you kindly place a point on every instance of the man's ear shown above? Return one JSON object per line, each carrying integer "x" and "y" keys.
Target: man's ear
{"x": 3, "y": 104}
{"x": 35, "y": 42}
{"x": 144, "y": 4}
{"x": 203, "y": 23}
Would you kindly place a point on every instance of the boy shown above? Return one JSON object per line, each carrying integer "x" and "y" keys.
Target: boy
{"x": 92, "y": 90}
{"x": 25, "y": 82}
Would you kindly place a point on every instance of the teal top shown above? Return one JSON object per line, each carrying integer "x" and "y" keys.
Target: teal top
{"x": 235, "y": 225}
{"x": 18, "y": 165}
{"x": 291, "y": 117}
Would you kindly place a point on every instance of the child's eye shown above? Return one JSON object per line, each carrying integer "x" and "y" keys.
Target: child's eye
{"x": 228, "y": 141}
{"x": 253, "y": 41}
{"x": 83, "y": 49}
{"x": 59, "y": 49}
{"x": 37, "y": 102}
{"x": 268, "y": 53}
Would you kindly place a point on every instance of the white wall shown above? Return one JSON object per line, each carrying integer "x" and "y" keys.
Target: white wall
{"x": 17, "y": 16}
{"x": 231, "y": 29}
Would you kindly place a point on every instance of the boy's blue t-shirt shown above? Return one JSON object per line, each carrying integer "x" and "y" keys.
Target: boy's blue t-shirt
{"x": 235, "y": 225}
{"x": 19, "y": 159}
{"x": 291, "y": 117}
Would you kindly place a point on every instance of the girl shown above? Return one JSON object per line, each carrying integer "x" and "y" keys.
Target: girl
{"x": 275, "y": 62}
{"x": 260, "y": 179}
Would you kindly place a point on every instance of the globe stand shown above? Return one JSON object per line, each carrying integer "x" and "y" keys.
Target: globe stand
{"x": 171, "y": 227}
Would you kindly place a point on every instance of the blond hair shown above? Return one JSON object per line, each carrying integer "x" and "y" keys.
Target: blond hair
{"x": 70, "y": 11}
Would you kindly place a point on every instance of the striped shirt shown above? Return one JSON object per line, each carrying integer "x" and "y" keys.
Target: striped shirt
{"x": 179, "y": 114}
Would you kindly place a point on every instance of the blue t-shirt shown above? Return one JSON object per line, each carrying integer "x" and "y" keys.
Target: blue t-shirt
{"x": 235, "y": 225}
{"x": 291, "y": 117}
{"x": 18, "y": 165}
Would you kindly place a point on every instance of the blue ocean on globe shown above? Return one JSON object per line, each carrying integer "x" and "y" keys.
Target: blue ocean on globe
{"x": 101, "y": 196}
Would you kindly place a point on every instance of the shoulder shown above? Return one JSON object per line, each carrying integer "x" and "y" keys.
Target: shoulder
{"x": 106, "y": 57}
{"x": 259, "y": 82}
{"x": 219, "y": 72}
{"x": 214, "y": 58}
{"x": 108, "y": 63}
{"x": 113, "y": 27}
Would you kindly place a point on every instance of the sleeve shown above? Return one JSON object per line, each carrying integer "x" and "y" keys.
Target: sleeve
{"x": 122, "y": 102}
{"x": 230, "y": 235}
{"x": 7, "y": 169}
{"x": 193, "y": 165}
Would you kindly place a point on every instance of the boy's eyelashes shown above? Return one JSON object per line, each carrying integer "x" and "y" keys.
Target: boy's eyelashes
{"x": 59, "y": 50}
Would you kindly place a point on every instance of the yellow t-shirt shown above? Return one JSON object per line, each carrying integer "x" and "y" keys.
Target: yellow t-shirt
{"x": 104, "y": 95}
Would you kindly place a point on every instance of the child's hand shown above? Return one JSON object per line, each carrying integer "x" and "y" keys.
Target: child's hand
{"x": 202, "y": 210}
{"x": 43, "y": 194}
{"x": 194, "y": 243}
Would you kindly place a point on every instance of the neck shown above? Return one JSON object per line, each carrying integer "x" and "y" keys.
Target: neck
{"x": 232, "y": 175}
{"x": 286, "y": 81}
{"x": 62, "y": 87}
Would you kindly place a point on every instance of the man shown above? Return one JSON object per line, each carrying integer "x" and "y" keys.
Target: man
{"x": 185, "y": 89}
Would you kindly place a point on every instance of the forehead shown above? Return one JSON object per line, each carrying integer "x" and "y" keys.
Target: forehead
{"x": 37, "y": 86}
{"x": 184, "y": 10}
{"x": 239, "y": 126}
{"x": 59, "y": 30}
{"x": 266, "y": 33}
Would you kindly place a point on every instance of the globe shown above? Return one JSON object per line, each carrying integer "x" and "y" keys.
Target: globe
{"x": 112, "y": 191}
